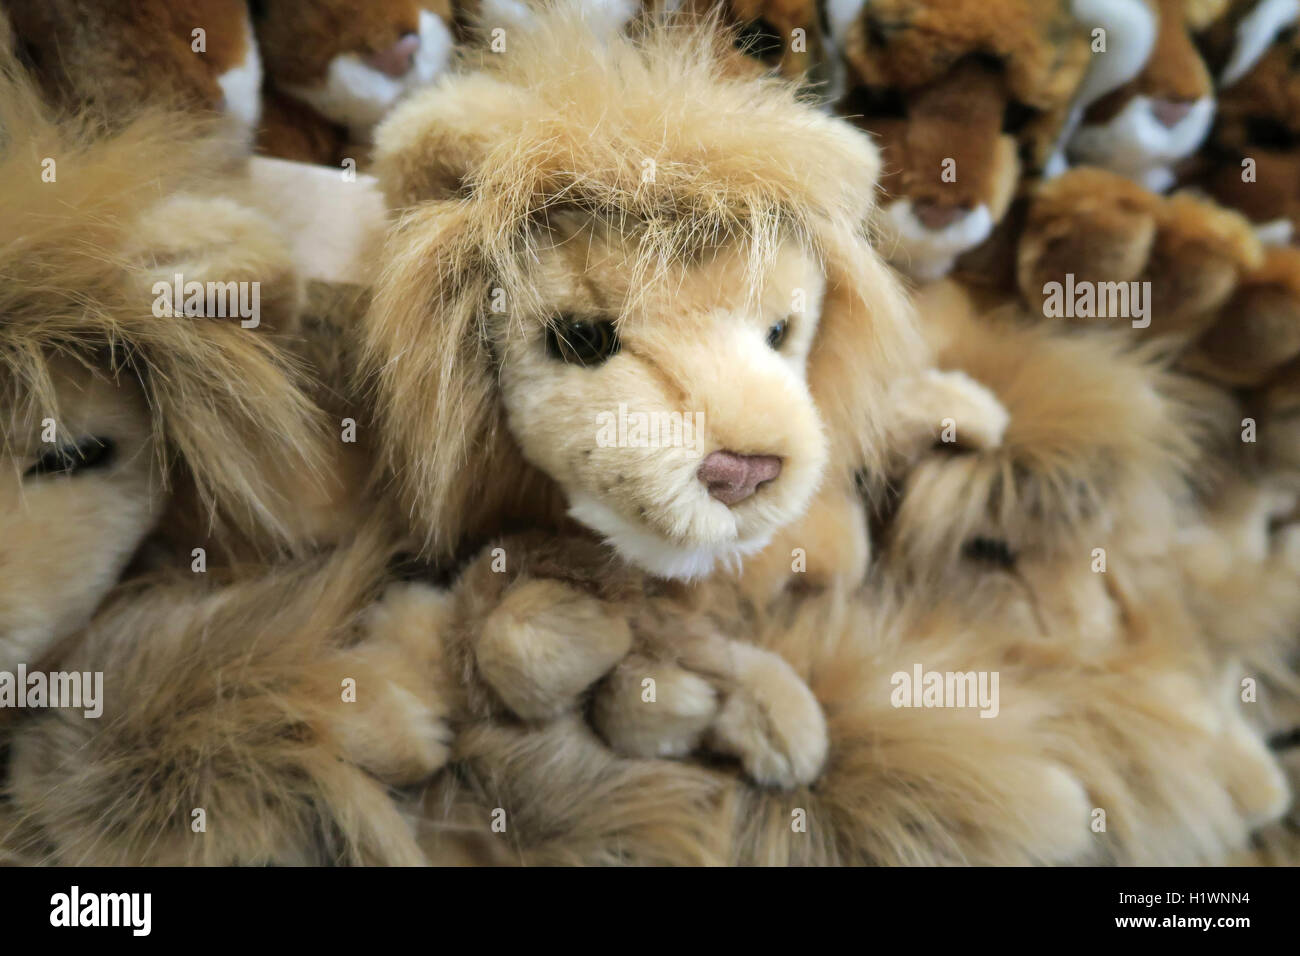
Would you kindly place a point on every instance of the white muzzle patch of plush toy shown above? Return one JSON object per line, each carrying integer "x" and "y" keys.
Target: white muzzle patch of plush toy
{"x": 1255, "y": 33}
{"x": 926, "y": 253}
{"x": 1145, "y": 139}
{"x": 242, "y": 88}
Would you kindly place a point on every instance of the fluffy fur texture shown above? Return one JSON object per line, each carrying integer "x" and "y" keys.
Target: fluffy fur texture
{"x": 1117, "y": 692}
{"x": 736, "y": 282}
{"x": 231, "y": 698}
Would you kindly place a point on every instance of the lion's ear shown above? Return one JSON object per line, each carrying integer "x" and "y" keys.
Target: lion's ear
{"x": 430, "y": 145}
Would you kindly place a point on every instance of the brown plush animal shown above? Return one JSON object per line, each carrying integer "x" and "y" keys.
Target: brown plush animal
{"x": 965, "y": 99}
{"x": 1091, "y": 230}
{"x": 334, "y": 69}
{"x": 1259, "y": 103}
{"x": 115, "y": 57}
{"x": 1212, "y": 283}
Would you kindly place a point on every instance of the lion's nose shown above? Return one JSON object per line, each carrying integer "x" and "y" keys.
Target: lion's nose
{"x": 731, "y": 478}
{"x": 397, "y": 59}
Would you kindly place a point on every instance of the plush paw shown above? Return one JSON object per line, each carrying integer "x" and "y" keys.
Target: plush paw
{"x": 1089, "y": 223}
{"x": 978, "y": 419}
{"x": 1258, "y": 330}
{"x": 1091, "y": 228}
{"x": 770, "y": 721}
{"x": 392, "y": 719}
{"x": 648, "y": 708}
{"x": 546, "y": 643}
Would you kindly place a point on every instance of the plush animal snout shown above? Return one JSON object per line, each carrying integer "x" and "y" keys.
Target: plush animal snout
{"x": 1169, "y": 113}
{"x": 398, "y": 59}
{"x": 934, "y": 215}
{"x": 731, "y": 478}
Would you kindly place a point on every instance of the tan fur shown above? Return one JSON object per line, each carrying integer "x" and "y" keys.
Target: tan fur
{"x": 1120, "y": 689}
{"x": 230, "y": 699}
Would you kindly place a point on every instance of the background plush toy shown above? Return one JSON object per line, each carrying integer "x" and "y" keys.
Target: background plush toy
{"x": 115, "y": 57}
{"x": 1253, "y": 166}
{"x": 1259, "y": 103}
{"x": 335, "y": 68}
{"x": 112, "y": 401}
{"x": 966, "y": 99}
{"x": 1162, "y": 116}
{"x": 1228, "y": 298}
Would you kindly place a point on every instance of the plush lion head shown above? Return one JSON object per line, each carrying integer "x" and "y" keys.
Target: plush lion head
{"x": 624, "y": 292}
{"x": 104, "y": 399}
{"x": 1099, "y": 445}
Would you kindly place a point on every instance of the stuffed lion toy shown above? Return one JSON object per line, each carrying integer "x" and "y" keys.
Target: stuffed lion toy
{"x": 118, "y": 401}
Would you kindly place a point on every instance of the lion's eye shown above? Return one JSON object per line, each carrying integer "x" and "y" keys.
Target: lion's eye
{"x": 85, "y": 454}
{"x": 776, "y": 334}
{"x": 580, "y": 341}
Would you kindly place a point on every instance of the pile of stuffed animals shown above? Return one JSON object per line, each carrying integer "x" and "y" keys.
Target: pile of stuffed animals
{"x": 860, "y": 432}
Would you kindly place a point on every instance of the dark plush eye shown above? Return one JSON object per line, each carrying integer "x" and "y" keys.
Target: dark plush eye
{"x": 581, "y": 341}
{"x": 990, "y": 551}
{"x": 776, "y": 334}
{"x": 85, "y": 454}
